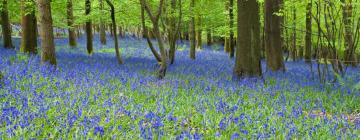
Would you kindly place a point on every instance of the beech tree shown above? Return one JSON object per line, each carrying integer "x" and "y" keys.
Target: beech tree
{"x": 231, "y": 25}
{"x": 113, "y": 21}
{"x": 146, "y": 35}
{"x": 273, "y": 47}
{"x": 88, "y": 28}
{"x": 28, "y": 27}
{"x": 70, "y": 20}
{"x": 6, "y": 27}
{"x": 192, "y": 31}
{"x": 102, "y": 24}
{"x": 46, "y": 32}
{"x": 247, "y": 62}
{"x": 308, "y": 41}
{"x": 156, "y": 29}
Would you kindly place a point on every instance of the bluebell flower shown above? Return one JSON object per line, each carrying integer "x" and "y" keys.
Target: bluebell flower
{"x": 99, "y": 131}
{"x": 235, "y": 136}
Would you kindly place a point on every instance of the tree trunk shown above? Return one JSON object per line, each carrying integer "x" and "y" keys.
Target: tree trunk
{"x": 308, "y": 41}
{"x": 208, "y": 37}
{"x": 28, "y": 28}
{"x": 348, "y": 35}
{"x": 121, "y": 34}
{"x": 173, "y": 32}
{"x": 46, "y": 32}
{"x": 199, "y": 33}
{"x": 146, "y": 35}
{"x": 120, "y": 61}
{"x": 293, "y": 46}
{"x": 192, "y": 31}
{"x": 231, "y": 25}
{"x": 155, "y": 22}
{"x": 227, "y": 45}
{"x": 102, "y": 25}
{"x": 247, "y": 62}
{"x": 70, "y": 20}
{"x": 6, "y": 27}
{"x": 88, "y": 28}
{"x": 274, "y": 54}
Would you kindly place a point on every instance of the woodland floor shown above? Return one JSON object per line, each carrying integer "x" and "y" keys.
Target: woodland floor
{"x": 94, "y": 97}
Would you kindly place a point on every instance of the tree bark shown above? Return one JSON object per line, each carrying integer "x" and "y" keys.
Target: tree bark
{"x": 192, "y": 31}
{"x": 70, "y": 20}
{"x": 227, "y": 45}
{"x": 231, "y": 25}
{"x": 155, "y": 22}
{"x": 120, "y": 61}
{"x": 121, "y": 32}
{"x": 28, "y": 28}
{"x": 88, "y": 28}
{"x": 293, "y": 46}
{"x": 199, "y": 32}
{"x": 6, "y": 27}
{"x": 208, "y": 37}
{"x": 102, "y": 25}
{"x": 308, "y": 41}
{"x": 146, "y": 35}
{"x": 46, "y": 32}
{"x": 348, "y": 33}
{"x": 174, "y": 30}
{"x": 273, "y": 48}
{"x": 247, "y": 62}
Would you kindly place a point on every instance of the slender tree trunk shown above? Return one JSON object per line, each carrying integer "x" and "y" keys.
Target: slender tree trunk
{"x": 308, "y": 41}
{"x": 173, "y": 32}
{"x": 231, "y": 25}
{"x": 70, "y": 20}
{"x": 293, "y": 46}
{"x": 102, "y": 25}
{"x": 155, "y": 22}
{"x": 6, "y": 27}
{"x": 247, "y": 62}
{"x": 88, "y": 28}
{"x": 146, "y": 35}
{"x": 348, "y": 42}
{"x": 192, "y": 31}
{"x": 46, "y": 32}
{"x": 121, "y": 34}
{"x": 274, "y": 54}
{"x": 227, "y": 45}
{"x": 208, "y": 37}
{"x": 199, "y": 33}
{"x": 28, "y": 28}
{"x": 120, "y": 61}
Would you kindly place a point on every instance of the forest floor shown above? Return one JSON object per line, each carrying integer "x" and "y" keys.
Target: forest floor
{"x": 94, "y": 97}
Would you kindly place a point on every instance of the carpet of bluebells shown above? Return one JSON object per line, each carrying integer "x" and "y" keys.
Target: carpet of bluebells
{"x": 92, "y": 97}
